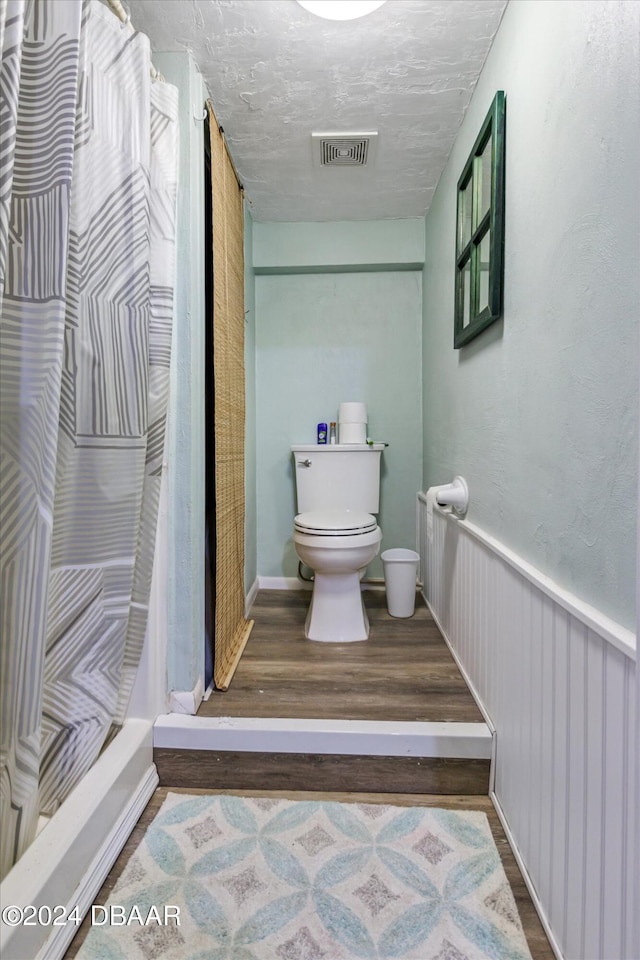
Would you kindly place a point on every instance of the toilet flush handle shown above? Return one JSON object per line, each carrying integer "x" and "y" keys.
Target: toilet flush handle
{"x": 304, "y": 463}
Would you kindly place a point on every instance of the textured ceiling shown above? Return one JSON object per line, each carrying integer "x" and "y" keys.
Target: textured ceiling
{"x": 277, "y": 74}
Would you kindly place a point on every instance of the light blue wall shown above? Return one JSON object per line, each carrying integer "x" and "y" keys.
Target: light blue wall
{"x": 338, "y": 246}
{"x": 250, "y": 533}
{"x": 540, "y": 412}
{"x": 185, "y": 444}
{"x": 322, "y": 338}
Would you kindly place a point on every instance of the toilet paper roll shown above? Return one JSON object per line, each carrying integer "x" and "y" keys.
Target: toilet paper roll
{"x": 352, "y": 412}
{"x": 353, "y": 433}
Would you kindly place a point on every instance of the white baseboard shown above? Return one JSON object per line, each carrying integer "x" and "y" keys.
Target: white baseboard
{"x": 67, "y": 862}
{"x": 250, "y": 598}
{"x": 283, "y": 583}
{"x": 292, "y": 583}
{"x": 555, "y": 946}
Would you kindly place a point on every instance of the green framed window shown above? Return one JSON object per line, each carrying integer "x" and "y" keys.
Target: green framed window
{"x": 480, "y": 229}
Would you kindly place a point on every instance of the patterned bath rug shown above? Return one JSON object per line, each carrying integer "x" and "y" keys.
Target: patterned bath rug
{"x": 264, "y": 879}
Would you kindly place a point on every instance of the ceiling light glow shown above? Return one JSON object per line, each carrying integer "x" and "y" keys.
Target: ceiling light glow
{"x": 341, "y": 9}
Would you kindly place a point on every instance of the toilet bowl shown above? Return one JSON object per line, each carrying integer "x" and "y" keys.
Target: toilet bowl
{"x": 337, "y": 545}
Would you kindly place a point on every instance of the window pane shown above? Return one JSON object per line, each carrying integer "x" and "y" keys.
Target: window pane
{"x": 483, "y": 264}
{"x": 466, "y": 293}
{"x": 465, "y": 216}
{"x": 485, "y": 182}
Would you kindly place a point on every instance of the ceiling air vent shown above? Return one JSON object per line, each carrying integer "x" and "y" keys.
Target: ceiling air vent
{"x": 344, "y": 149}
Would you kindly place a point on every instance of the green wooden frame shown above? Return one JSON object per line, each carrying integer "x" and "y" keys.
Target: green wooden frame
{"x": 480, "y": 229}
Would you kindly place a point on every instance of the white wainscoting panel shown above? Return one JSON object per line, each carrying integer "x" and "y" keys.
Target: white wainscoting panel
{"x": 557, "y": 682}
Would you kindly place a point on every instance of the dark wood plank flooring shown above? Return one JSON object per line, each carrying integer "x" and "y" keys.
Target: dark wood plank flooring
{"x": 534, "y": 932}
{"x": 404, "y": 671}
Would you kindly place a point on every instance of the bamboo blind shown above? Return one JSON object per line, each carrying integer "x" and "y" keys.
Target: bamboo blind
{"x": 231, "y": 628}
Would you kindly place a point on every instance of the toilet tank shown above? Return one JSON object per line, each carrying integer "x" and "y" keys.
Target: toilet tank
{"x": 342, "y": 475}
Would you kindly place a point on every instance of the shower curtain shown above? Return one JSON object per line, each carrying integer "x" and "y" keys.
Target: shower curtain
{"x": 88, "y": 171}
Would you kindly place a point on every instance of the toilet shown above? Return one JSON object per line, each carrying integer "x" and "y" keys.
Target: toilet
{"x": 336, "y": 533}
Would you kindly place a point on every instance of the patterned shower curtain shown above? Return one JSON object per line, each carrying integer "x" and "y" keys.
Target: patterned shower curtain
{"x": 88, "y": 170}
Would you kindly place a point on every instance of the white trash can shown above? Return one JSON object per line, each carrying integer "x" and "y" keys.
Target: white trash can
{"x": 400, "y": 573}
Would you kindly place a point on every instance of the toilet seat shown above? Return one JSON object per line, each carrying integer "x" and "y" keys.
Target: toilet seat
{"x": 335, "y": 523}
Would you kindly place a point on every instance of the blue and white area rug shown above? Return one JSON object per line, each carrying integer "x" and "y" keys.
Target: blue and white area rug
{"x": 264, "y": 879}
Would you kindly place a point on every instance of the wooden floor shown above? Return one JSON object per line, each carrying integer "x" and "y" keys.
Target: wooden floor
{"x": 404, "y": 671}
{"x": 536, "y": 938}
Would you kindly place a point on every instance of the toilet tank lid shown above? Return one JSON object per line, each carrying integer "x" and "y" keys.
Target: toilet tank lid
{"x": 335, "y": 447}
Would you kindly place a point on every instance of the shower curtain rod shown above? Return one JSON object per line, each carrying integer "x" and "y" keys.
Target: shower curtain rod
{"x": 122, "y": 14}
